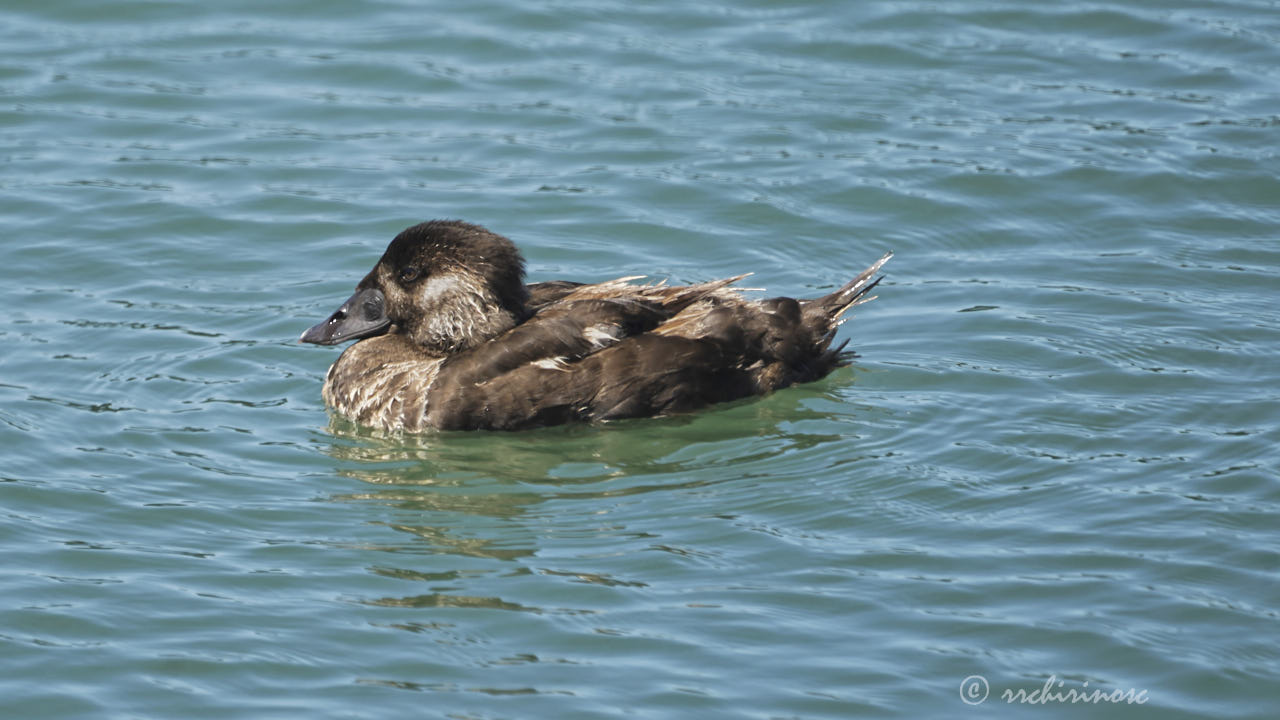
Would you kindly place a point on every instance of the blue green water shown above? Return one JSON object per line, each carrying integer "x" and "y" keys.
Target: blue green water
{"x": 1055, "y": 462}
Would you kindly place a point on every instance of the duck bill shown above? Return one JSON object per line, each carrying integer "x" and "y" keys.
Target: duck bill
{"x": 362, "y": 315}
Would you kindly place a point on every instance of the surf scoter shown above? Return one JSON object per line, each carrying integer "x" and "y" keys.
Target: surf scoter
{"x": 450, "y": 337}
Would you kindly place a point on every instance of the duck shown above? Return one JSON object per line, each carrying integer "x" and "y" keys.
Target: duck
{"x": 448, "y": 336}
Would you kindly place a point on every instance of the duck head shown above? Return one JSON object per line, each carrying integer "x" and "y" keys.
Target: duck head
{"x": 445, "y": 285}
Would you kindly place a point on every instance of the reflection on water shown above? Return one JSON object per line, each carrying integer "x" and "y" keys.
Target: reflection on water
{"x": 441, "y": 600}
{"x": 483, "y": 515}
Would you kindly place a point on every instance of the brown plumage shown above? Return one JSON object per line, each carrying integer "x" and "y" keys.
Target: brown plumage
{"x": 450, "y": 337}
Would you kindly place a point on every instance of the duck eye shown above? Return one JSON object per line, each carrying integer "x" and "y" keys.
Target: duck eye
{"x": 409, "y": 274}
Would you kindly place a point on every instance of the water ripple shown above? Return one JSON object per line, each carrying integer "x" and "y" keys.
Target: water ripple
{"x": 1054, "y": 458}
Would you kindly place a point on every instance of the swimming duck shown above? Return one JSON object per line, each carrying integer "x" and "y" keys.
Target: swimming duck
{"x": 449, "y": 336}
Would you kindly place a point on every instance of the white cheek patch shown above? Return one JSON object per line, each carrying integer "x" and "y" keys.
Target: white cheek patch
{"x": 438, "y": 286}
{"x": 454, "y": 306}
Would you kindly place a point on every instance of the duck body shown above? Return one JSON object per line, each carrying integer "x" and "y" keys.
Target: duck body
{"x": 449, "y": 337}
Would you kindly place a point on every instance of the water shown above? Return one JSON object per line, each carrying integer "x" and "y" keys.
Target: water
{"x": 1055, "y": 462}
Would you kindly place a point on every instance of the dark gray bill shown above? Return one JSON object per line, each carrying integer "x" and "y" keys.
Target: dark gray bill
{"x": 362, "y": 315}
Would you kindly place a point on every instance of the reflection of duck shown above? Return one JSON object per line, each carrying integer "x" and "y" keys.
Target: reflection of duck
{"x": 450, "y": 337}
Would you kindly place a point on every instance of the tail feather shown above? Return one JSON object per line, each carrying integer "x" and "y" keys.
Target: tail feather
{"x": 832, "y": 306}
{"x": 823, "y": 315}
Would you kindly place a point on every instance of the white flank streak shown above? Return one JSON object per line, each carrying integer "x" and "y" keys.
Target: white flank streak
{"x": 598, "y": 335}
{"x": 555, "y": 363}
